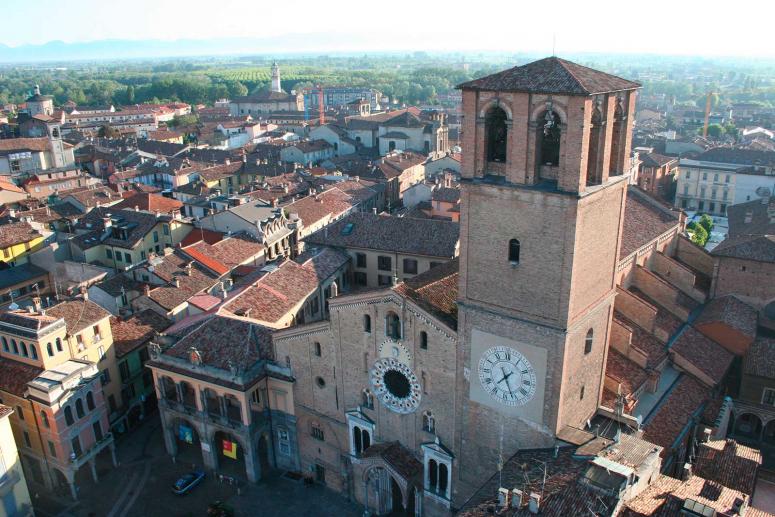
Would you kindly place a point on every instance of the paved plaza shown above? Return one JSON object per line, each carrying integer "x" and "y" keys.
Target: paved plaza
{"x": 141, "y": 487}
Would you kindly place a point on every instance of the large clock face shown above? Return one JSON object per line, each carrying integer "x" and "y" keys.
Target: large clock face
{"x": 395, "y": 385}
{"x": 507, "y": 376}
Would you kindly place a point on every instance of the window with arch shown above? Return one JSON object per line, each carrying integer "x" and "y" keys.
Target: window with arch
{"x": 367, "y": 399}
{"x": 44, "y": 419}
{"x": 59, "y": 344}
{"x": 581, "y": 393}
{"x": 69, "y": 415}
{"x": 496, "y": 134}
{"x": 616, "y": 164}
{"x": 366, "y": 323}
{"x": 428, "y": 422}
{"x": 25, "y": 352}
{"x": 514, "y": 251}
{"x": 433, "y": 475}
{"x": 549, "y": 138}
{"x": 14, "y": 346}
{"x": 90, "y": 401}
{"x": 20, "y": 412}
{"x": 79, "y": 408}
{"x": 593, "y": 154}
{"x": 588, "y": 340}
{"x": 393, "y": 325}
{"x": 49, "y": 350}
{"x": 423, "y": 340}
{"x": 318, "y": 350}
{"x": 33, "y": 351}
{"x": 5, "y": 344}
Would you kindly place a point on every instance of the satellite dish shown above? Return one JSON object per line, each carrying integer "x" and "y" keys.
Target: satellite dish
{"x": 14, "y": 307}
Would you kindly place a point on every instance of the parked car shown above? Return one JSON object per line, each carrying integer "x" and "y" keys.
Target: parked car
{"x": 188, "y": 481}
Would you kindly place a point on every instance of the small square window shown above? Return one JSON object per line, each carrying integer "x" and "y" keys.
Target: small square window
{"x": 384, "y": 263}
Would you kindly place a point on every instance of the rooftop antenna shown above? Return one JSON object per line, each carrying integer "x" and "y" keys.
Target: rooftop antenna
{"x": 554, "y": 44}
{"x": 500, "y": 456}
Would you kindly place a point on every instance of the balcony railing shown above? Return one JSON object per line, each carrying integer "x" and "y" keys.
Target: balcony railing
{"x": 84, "y": 456}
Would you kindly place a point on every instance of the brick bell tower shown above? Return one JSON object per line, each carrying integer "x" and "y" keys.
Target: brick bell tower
{"x": 545, "y": 150}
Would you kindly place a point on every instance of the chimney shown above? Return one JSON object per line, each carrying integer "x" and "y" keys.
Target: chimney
{"x": 36, "y": 303}
{"x": 686, "y": 472}
{"x": 106, "y": 222}
{"x": 374, "y": 210}
{"x": 334, "y": 290}
{"x": 535, "y": 503}
{"x": 189, "y": 268}
{"x": 84, "y": 293}
{"x": 176, "y": 282}
{"x": 147, "y": 290}
{"x": 137, "y": 208}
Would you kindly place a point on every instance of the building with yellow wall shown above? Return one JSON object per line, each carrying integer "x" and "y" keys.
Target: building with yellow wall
{"x": 14, "y": 495}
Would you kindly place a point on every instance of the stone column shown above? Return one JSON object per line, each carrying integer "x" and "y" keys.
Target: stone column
{"x": 93, "y": 468}
{"x": 252, "y": 467}
{"x": 169, "y": 438}
{"x": 113, "y": 454}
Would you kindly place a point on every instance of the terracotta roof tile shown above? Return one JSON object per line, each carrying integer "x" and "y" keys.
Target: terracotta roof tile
{"x": 16, "y": 375}
{"x": 665, "y": 497}
{"x": 173, "y": 267}
{"x": 644, "y": 220}
{"x": 275, "y": 294}
{"x": 729, "y": 463}
{"x": 760, "y": 248}
{"x": 435, "y": 291}
{"x": 760, "y": 358}
{"x": 149, "y": 202}
{"x": 17, "y": 233}
{"x": 551, "y": 75}
{"x": 625, "y": 372}
{"x": 78, "y": 314}
{"x": 314, "y": 208}
{"x": 731, "y": 311}
{"x": 135, "y": 331}
{"x": 225, "y": 342}
{"x": 408, "y": 235}
{"x": 664, "y": 425}
{"x": 703, "y": 353}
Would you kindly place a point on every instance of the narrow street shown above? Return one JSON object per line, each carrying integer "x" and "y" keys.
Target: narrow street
{"x": 141, "y": 487}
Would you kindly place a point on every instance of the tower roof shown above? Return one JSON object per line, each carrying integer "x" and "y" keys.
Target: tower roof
{"x": 551, "y": 75}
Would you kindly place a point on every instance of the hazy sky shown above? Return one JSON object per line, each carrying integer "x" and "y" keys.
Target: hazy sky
{"x": 655, "y": 26}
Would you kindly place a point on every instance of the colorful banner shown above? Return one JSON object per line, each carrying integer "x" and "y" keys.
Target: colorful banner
{"x": 230, "y": 449}
{"x": 185, "y": 433}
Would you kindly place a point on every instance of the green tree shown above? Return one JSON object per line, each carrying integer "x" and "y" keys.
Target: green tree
{"x": 699, "y": 235}
{"x": 107, "y": 131}
{"x": 716, "y": 130}
{"x": 130, "y": 94}
{"x": 706, "y": 222}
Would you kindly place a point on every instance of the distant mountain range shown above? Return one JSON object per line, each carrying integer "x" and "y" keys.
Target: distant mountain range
{"x": 59, "y": 51}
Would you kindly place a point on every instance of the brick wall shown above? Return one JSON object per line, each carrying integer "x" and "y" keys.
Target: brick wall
{"x": 753, "y": 282}
{"x": 678, "y": 275}
{"x": 691, "y": 254}
{"x": 635, "y": 309}
{"x": 660, "y": 291}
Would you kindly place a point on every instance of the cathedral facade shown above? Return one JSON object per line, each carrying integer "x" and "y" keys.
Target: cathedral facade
{"x": 409, "y": 397}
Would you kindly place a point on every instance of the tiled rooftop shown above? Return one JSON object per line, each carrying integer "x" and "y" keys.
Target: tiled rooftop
{"x": 435, "y": 291}
{"x": 407, "y": 235}
{"x": 673, "y": 413}
{"x": 275, "y": 294}
{"x": 729, "y": 463}
{"x": 644, "y": 220}
{"x": 703, "y": 353}
{"x": 225, "y": 342}
{"x": 78, "y": 314}
{"x": 665, "y": 497}
{"x": 760, "y": 358}
{"x": 551, "y": 75}
{"x": 17, "y": 233}
{"x": 136, "y": 330}
{"x": 731, "y": 311}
